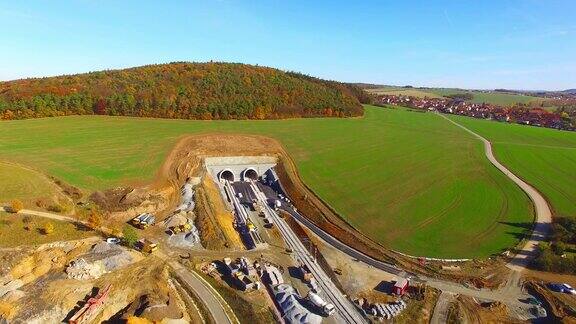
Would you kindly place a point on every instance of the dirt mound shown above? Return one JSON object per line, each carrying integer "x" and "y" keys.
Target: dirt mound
{"x": 117, "y": 199}
{"x": 491, "y": 312}
{"x": 184, "y": 160}
{"x": 153, "y": 307}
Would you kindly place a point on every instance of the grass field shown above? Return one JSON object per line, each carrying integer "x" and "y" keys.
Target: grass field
{"x": 412, "y": 181}
{"x": 17, "y": 182}
{"x": 404, "y": 92}
{"x": 496, "y": 98}
{"x": 12, "y": 232}
{"x": 545, "y": 158}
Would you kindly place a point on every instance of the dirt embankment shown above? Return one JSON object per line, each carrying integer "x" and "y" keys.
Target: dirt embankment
{"x": 162, "y": 195}
{"x": 559, "y": 310}
{"x": 214, "y": 222}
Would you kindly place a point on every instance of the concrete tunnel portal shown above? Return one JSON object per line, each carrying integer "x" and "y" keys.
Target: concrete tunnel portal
{"x": 226, "y": 175}
{"x": 238, "y": 168}
{"x": 250, "y": 173}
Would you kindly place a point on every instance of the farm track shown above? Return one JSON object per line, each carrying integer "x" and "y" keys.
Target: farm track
{"x": 543, "y": 213}
{"x": 453, "y": 204}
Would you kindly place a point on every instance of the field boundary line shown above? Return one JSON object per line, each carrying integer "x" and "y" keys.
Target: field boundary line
{"x": 431, "y": 259}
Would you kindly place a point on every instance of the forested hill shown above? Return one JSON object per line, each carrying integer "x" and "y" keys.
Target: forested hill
{"x": 181, "y": 90}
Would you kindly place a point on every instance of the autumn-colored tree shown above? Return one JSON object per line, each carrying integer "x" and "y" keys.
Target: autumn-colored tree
{"x": 16, "y": 205}
{"x": 95, "y": 219}
{"x": 259, "y": 113}
{"x": 48, "y": 228}
{"x": 181, "y": 90}
{"x": 100, "y": 107}
{"x": 8, "y": 115}
{"x": 116, "y": 232}
{"x": 138, "y": 320}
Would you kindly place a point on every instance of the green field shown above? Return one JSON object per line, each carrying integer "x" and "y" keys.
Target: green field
{"x": 410, "y": 180}
{"x": 17, "y": 182}
{"x": 404, "y": 92}
{"x": 543, "y": 157}
{"x": 13, "y": 233}
{"x": 496, "y": 98}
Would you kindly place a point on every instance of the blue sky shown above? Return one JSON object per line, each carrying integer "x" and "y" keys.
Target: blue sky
{"x": 468, "y": 44}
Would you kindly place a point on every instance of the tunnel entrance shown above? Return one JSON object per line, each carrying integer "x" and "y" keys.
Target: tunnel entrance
{"x": 227, "y": 175}
{"x": 250, "y": 174}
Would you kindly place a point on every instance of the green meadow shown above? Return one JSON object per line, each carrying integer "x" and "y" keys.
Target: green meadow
{"x": 496, "y": 98}
{"x": 411, "y": 181}
{"x": 543, "y": 157}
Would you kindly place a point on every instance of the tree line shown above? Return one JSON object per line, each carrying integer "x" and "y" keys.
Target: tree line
{"x": 559, "y": 255}
{"x": 182, "y": 90}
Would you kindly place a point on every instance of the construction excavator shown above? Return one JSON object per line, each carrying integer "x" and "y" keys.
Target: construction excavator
{"x": 91, "y": 308}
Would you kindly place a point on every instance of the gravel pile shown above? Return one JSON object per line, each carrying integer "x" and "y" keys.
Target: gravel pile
{"x": 102, "y": 258}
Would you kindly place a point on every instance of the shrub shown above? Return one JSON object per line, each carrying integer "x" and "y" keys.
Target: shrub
{"x": 16, "y": 206}
{"x": 55, "y": 208}
{"x": 559, "y": 248}
{"x": 130, "y": 235}
{"x": 547, "y": 260}
{"x": 48, "y": 229}
{"x": 564, "y": 230}
{"x": 94, "y": 220}
{"x": 26, "y": 221}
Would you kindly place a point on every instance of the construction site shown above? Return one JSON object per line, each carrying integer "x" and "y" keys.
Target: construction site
{"x": 228, "y": 233}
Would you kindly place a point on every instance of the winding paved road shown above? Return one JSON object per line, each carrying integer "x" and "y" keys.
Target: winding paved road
{"x": 543, "y": 212}
{"x": 218, "y": 308}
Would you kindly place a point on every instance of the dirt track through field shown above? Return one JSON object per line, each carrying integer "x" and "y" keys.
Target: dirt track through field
{"x": 543, "y": 213}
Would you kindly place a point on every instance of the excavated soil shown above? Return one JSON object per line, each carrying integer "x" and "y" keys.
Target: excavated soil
{"x": 472, "y": 312}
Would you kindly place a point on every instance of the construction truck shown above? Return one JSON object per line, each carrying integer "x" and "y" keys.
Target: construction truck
{"x": 143, "y": 220}
{"x": 186, "y": 227}
{"x": 147, "y": 246}
{"x": 305, "y": 273}
{"x": 92, "y": 307}
{"x": 183, "y": 228}
{"x": 251, "y": 227}
{"x": 327, "y": 308}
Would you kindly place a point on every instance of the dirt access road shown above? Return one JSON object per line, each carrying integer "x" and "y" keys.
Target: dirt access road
{"x": 440, "y": 314}
{"x": 543, "y": 213}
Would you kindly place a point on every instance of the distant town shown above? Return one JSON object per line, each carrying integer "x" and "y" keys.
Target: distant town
{"x": 520, "y": 114}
